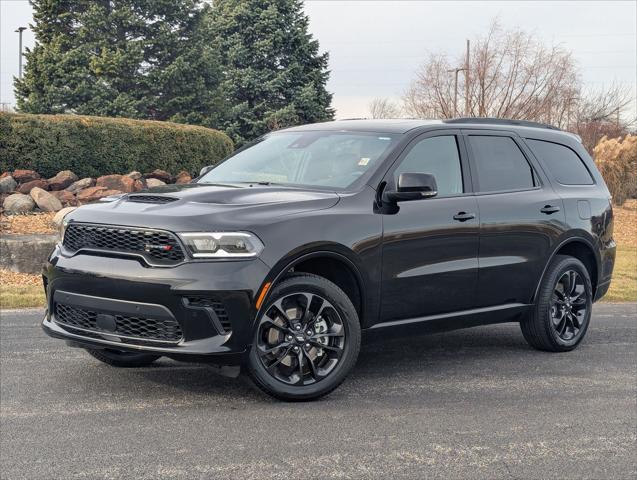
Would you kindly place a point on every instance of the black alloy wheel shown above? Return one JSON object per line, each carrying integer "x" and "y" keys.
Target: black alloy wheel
{"x": 307, "y": 339}
{"x": 563, "y": 307}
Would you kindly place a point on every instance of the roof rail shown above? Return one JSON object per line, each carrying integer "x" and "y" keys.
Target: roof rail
{"x": 501, "y": 121}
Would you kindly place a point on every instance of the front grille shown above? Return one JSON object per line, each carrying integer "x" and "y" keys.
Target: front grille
{"x": 218, "y": 307}
{"x": 150, "y": 199}
{"x": 157, "y": 247}
{"x": 165, "y": 330}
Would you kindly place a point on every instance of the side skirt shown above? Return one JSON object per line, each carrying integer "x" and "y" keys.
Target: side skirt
{"x": 510, "y": 312}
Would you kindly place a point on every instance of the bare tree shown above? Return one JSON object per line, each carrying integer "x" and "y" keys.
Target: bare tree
{"x": 513, "y": 75}
{"x": 384, "y": 108}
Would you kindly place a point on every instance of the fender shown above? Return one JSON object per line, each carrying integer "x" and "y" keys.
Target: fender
{"x": 306, "y": 252}
{"x": 564, "y": 242}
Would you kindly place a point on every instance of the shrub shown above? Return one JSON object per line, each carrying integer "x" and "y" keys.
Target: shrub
{"x": 617, "y": 162}
{"x": 94, "y": 146}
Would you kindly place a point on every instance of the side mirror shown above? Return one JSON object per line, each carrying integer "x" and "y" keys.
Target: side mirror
{"x": 205, "y": 170}
{"x": 413, "y": 186}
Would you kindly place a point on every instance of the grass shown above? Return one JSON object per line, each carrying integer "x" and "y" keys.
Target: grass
{"x": 21, "y": 296}
{"x": 623, "y": 287}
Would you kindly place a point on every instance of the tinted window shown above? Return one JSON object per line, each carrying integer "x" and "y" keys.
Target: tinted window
{"x": 500, "y": 165}
{"x": 563, "y": 163}
{"x": 439, "y": 157}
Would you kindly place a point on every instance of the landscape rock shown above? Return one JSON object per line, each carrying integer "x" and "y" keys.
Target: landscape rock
{"x": 45, "y": 201}
{"x": 140, "y": 185}
{"x": 183, "y": 177}
{"x": 26, "y": 187}
{"x": 122, "y": 183}
{"x": 65, "y": 197}
{"x": 154, "y": 182}
{"x": 7, "y": 184}
{"x": 24, "y": 176}
{"x": 62, "y": 180}
{"x": 80, "y": 184}
{"x": 162, "y": 175}
{"x": 135, "y": 175}
{"x": 57, "y": 219}
{"x": 92, "y": 194}
{"x": 18, "y": 203}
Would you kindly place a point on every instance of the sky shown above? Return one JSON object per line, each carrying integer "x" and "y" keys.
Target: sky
{"x": 376, "y": 47}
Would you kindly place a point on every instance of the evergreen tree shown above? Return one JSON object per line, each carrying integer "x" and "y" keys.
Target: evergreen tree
{"x": 132, "y": 58}
{"x": 274, "y": 75}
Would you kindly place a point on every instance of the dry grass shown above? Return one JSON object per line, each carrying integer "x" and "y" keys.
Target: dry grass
{"x": 19, "y": 290}
{"x": 28, "y": 223}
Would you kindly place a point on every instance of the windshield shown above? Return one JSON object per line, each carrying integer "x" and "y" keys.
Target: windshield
{"x": 321, "y": 159}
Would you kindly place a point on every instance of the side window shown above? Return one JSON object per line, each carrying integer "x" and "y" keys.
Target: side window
{"x": 500, "y": 164}
{"x": 438, "y": 156}
{"x": 563, "y": 163}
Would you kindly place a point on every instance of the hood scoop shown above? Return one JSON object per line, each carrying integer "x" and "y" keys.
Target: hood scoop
{"x": 156, "y": 199}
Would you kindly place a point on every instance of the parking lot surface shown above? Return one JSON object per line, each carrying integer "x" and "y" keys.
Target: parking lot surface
{"x": 475, "y": 403}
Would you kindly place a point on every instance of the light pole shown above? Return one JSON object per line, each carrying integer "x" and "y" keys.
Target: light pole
{"x": 19, "y": 32}
{"x": 455, "y": 89}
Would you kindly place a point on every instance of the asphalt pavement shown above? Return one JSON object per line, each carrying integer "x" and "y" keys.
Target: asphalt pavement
{"x": 475, "y": 403}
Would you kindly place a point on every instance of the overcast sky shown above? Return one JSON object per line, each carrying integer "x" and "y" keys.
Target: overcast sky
{"x": 376, "y": 46}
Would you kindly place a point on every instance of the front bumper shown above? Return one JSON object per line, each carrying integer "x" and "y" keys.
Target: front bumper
{"x": 122, "y": 292}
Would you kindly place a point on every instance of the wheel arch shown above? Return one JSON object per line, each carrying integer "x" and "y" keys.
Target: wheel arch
{"x": 331, "y": 262}
{"x": 580, "y": 248}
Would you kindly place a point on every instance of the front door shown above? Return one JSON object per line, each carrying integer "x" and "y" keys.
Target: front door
{"x": 430, "y": 246}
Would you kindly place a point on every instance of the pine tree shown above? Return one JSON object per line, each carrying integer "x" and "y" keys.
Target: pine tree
{"x": 132, "y": 58}
{"x": 274, "y": 75}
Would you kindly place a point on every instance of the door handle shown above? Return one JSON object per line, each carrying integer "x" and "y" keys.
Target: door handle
{"x": 464, "y": 216}
{"x": 549, "y": 209}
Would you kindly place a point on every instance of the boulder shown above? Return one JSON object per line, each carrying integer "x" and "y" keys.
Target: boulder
{"x": 162, "y": 175}
{"x": 123, "y": 183}
{"x": 62, "y": 180}
{"x": 80, "y": 185}
{"x": 18, "y": 203}
{"x": 154, "y": 182}
{"x": 135, "y": 175}
{"x": 24, "y": 176}
{"x": 26, "y": 187}
{"x": 140, "y": 185}
{"x": 183, "y": 177}
{"x": 92, "y": 194}
{"x": 45, "y": 201}
{"x": 65, "y": 197}
{"x": 4, "y": 174}
{"x": 7, "y": 184}
{"x": 57, "y": 219}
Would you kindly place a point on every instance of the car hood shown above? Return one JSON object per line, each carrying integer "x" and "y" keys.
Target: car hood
{"x": 197, "y": 207}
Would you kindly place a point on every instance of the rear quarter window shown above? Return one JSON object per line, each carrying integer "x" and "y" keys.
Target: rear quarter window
{"x": 562, "y": 163}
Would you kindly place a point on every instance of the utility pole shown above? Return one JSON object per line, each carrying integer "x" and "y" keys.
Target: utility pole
{"x": 467, "y": 101}
{"x": 455, "y": 90}
{"x": 19, "y": 32}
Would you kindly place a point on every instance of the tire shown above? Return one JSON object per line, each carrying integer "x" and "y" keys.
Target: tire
{"x": 116, "y": 358}
{"x": 553, "y": 315}
{"x": 330, "y": 326}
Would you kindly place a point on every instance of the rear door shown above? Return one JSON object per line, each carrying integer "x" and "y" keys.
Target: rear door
{"x": 521, "y": 217}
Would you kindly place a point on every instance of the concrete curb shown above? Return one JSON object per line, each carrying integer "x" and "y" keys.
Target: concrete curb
{"x": 25, "y": 253}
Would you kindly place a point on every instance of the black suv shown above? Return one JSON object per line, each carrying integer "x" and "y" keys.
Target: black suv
{"x": 280, "y": 256}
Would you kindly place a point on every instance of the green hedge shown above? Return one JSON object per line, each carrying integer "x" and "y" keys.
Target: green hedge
{"x": 94, "y": 146}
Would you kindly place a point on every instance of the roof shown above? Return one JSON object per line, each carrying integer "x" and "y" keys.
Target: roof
{"x": 364, "y": 125}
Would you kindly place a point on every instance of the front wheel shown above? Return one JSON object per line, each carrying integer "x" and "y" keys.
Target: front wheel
{"x": 307, "y": 339}
{"x": 563, "y": 307}
{"x": 117, "y": 358}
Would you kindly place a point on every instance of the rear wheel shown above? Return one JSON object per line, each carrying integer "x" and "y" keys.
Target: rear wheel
{"x": 306, "y": 341}
{"x": 117, "y": 358}
{"x": 563, "y": 307}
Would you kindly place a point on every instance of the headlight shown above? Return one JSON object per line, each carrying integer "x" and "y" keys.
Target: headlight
{"x": 63, "y": 226}
{"x": 222, "y": 244}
